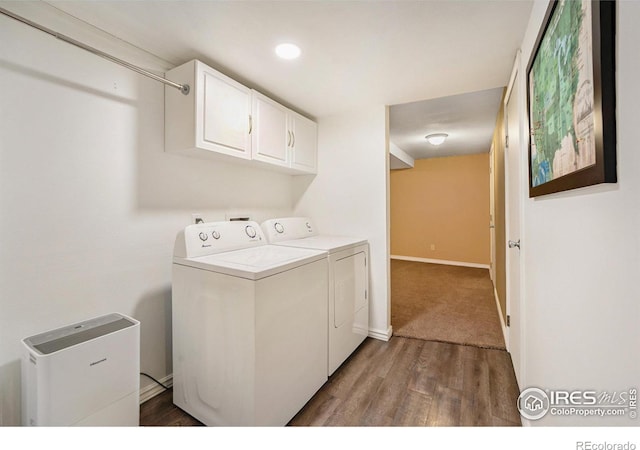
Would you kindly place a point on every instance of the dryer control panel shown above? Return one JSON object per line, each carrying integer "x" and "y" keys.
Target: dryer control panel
{"x": 288, "y": 228}
{"x": 216, "y": 237}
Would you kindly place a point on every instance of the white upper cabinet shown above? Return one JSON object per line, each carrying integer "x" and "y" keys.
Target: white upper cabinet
{"x": 221, "y": 118}
{"x": 304, "y": 146}
{"x": 214, "y": 117}
{"x": 269, "y": 136}
{"x": 283, "y": 137}
{"x": 225, "y": 111}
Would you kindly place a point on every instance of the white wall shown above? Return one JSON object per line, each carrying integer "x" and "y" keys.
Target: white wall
{"x": 349, "y": 195}
{"x": 90, "y": 203}
{"x": 582, "y": 258}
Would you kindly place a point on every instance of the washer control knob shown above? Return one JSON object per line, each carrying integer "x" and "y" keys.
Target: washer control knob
{"x": 279, "y": 227}
{"x": 203, "y": 236}
{"x": 216, "y": 234}
{"x": 251, "y": 232}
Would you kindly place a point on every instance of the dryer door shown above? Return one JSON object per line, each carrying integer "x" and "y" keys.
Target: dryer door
{"x": 349, "y": 288}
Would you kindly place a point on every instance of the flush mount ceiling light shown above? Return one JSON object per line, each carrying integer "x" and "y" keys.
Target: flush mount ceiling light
{"x": 288, "y": 51}
{"x": 436, "y": 138}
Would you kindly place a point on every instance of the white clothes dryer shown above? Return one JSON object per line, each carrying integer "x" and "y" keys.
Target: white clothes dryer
{"x": 249, "y": 325}
{"x": 348, "y": 303}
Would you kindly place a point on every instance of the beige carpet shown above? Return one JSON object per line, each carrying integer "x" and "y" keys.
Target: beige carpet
{"x": 442, "y": 303}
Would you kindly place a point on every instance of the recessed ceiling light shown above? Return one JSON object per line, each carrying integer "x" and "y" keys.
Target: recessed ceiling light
{"x": 436, "y": 138}
{"x": 288, "y": 51}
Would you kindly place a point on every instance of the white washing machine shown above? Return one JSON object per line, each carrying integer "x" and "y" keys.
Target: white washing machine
{"x": 348, "y": 257}
{"x": 249, "y": 325}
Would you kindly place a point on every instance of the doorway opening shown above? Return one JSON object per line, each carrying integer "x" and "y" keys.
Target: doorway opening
{"x": 442, "y": 214}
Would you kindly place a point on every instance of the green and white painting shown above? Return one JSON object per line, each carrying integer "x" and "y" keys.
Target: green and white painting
{"x": 561, "y": 95}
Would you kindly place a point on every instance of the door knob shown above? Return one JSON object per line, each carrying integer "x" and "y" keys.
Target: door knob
{"x": 513, "y": 244}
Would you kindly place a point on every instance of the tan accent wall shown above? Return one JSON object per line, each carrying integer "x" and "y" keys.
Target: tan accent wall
{"x": 440, "y": 209}
{"x": 500, "y": 282}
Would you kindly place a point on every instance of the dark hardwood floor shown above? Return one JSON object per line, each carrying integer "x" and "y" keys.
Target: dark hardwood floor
{"x": 160, "y": 411}
{"x": 403, "y": 382}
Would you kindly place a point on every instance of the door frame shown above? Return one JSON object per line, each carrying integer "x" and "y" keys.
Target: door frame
{"x": 517, "y": 76}
{"x": 492, "y": 216}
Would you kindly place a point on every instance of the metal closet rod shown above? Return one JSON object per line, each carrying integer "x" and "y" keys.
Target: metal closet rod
{"x": 184, "y": 88}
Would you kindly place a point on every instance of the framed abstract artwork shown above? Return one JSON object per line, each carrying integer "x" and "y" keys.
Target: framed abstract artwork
{"x": 571, "y": 98}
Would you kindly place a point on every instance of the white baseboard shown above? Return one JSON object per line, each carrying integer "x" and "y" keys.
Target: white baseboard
{"x": 153, "y": 389}
{"x": 441, "y": 261}
{"x": 383, "y": 335}
{"x": 505, "y": 332}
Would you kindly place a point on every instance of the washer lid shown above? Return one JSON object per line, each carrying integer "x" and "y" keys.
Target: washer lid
{"x": 329, "y": 244}
{"x": 254, "y": 263}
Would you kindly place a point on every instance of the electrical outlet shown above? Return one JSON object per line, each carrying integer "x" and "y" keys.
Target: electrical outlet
{"x": 235, "y": 215}
{"x": 197, "y": 218}
{"x": 433, "y": 247}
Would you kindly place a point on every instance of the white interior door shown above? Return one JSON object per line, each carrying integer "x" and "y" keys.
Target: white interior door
{"x": 513, "y": 162}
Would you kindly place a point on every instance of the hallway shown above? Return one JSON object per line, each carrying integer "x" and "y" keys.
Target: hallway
{"x": 438, "y": 302}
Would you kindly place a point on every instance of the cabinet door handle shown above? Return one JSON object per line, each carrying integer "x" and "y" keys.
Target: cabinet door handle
{"x": 293, "y": 144}
{"x": 250, "y": 124}
{"x": 288, "y": 138}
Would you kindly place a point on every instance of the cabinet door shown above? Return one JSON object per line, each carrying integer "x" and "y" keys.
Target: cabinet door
{"x": 305, "y": 143}
{"x": 224, "y": 119}
{"x": 269, "y": 136}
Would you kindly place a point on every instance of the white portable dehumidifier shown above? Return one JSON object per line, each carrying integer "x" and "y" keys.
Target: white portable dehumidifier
{"x": 85, "y": 374}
